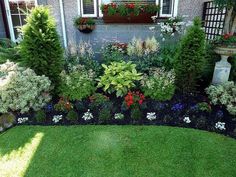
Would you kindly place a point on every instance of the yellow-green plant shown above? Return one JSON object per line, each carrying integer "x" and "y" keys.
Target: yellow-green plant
{"x": 119, "y": 77}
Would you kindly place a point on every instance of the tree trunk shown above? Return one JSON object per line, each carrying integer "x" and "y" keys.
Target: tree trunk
{"x": 227, "y": 21}
{"x": 233, "y": 28}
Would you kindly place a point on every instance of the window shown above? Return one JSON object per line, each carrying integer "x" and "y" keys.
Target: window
{"x": 16, "y": 13}
{"x": 166, "y": 8}
{"x": 91, "y": 8}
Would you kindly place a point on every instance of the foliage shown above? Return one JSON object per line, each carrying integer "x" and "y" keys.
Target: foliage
{"x": 72, "y": 115}
{"x": 228, "y": 40}
{"x": 63, "y": 105}
{"x": 224, "y": 94}
{"x": 6, "y": 120}
{"x": 113, "y": 52}
{"x": 8, "y": 51}
{"x": 21, "y": 89}
{"x": 119, "y": 77}
{"x": 41, "y": 48}
{"x": 227, "y": 3}
{"x": 165, "y": 58}
{"x": 97, "y": 100}
{"x": 77, "y": 84}
{"x": 40, "y": 116}
{"x": 204, "y": 106}
{"x": 83, "y": 21}
{"x": 136, "y": 114}
{"x": 127, "y": 9}
{"x": 139, "y": 48}
{"x": 82, "y": 55}
{"x": 104, "y": 115}
{"x": 159, "y": 85}
{"x": 189, "y": 59}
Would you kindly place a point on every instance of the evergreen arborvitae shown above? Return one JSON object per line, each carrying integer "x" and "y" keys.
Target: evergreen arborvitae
{"x": 40, "y": 48}
{"x": 190, "y": 58}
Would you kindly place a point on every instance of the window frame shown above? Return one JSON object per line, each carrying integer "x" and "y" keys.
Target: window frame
{"x": 81, "y": 11}
{"x": 172, "y": 8}
{"x": 9, "y": 19}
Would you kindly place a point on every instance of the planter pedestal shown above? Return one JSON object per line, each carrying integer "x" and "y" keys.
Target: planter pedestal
{"x": 223, "y": 67}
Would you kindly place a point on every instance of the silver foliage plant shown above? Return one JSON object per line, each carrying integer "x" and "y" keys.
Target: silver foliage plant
{"x": 224, "y": 94}
{"x": 21, "y": 89}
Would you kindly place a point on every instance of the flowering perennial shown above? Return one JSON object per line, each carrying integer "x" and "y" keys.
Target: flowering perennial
{"x": 151, "y": 116}
{"x": 220, "y": 126}
{"x": 87, "y": 115}
{"x": 57, "y": 118}
{"x": 187, "y": 120}
{"x": 22, "y": 120}
{"x": 134, "y": 98}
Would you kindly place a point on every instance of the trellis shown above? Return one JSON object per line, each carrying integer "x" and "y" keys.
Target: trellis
{"x": 213, "y": 20}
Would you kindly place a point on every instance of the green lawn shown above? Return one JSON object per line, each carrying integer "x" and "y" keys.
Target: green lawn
{"x": 112, "y": 151}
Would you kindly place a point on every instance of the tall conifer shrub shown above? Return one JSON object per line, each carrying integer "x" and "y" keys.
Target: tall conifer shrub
{"x": 190, "y": 58}
{"x": 41, "y": 48}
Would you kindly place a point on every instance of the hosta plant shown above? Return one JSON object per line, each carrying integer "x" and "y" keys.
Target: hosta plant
{"x": 119, "y": 77}
{"x": 21, "y": 89}
{"x": 223, "y": 94}
{"x": 77, "y": 84}
{"x": 159, "y": 84}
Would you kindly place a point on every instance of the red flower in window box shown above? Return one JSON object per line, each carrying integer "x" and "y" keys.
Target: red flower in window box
{"x": 130, "y": 6}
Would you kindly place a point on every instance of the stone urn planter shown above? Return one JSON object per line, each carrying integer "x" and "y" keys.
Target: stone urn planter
{"x": 223, "y": 67}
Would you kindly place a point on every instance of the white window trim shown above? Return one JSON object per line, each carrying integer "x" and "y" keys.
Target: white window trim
{"x": 89, "y": 15}
{"x": 9, "y": 19}
{"x": 174, "y": 9}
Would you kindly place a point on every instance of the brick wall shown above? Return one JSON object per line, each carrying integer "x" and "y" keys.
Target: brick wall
{"x": 191, "y": 8}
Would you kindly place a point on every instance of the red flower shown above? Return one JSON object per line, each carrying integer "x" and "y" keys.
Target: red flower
{"x": 113, "y": 5}
{"x": 227, "y": 36}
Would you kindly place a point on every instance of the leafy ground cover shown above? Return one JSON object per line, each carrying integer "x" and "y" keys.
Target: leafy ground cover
{"x": 115, "y": 151}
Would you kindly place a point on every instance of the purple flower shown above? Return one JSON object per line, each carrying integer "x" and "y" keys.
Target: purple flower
{"x": 177, "y": 107}
{"x": 219, "y": 114}
{"x": 49, "y": 107}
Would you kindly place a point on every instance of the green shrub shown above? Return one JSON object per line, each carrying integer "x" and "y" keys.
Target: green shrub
{"x": 82, "y": 55}
{"x": 72, "y": 115}
{"x": 77, "y": 84}
{"x": 112, "y": 53}
{"x": 97, "y": 100}
{"x": 136, "y": 114}
{"x": 159, "y": 85}
{"x": 189, "y": 59}
{"x": 63, "y": 105}
{"x": 41, "y": 49}
{"x": 40, "y": 116}
{"x": 104, "y": 115}
{"x": 21, "y": 89}
{"x": 204, "y": 106}
{"x": 224, "y": 94}
{"x": 7, "y": 120}
{"x": 8, "y": 51}
{"x": 119, "y": 77}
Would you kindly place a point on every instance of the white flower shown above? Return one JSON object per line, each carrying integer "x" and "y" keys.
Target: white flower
{"x": 57, "y": 118}
{"x": 151, "y": 116}
{"x": 22, "y": 120}
{"x": 163, "y": 39}
{"x": 187, "y": 120}
{"x": 152, "y": 28}
{"x": 220, "y": 126}
{"x": 87, "y": 115}
{"x": 119, "y": 116}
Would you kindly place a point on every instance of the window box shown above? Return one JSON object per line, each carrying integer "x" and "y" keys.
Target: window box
{"x": 129, "y": 13}
{"x": 117, "y": 18}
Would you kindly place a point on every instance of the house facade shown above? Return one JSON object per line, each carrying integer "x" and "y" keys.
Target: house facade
{"x": 64, "y": 11}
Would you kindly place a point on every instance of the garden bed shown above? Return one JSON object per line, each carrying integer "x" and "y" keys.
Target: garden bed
{"x": 196, "y": 108}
